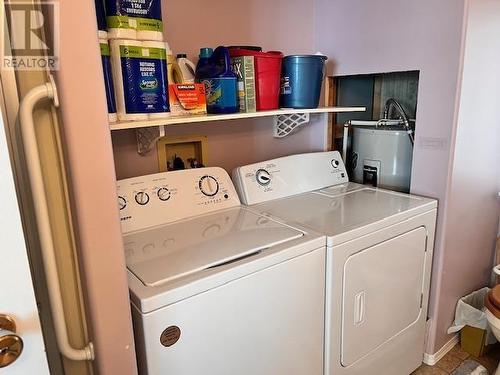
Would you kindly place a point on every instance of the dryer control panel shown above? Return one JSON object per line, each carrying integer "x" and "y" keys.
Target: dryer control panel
{"x": 161, "y": 198}
{"x": 290, "y": 175}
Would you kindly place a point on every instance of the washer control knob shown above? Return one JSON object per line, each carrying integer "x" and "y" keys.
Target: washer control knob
{"x": 209, "y": 186}
{"x": 122, "y": 202}
{"x": 142, "y": 198}
{"x": 163, "y": 194}
{"x": 335, "y": 163}
{"x": 263, "y": 177}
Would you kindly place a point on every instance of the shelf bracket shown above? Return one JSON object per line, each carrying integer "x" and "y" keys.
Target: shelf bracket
{"x": 147, "y": 138}
{"x": 284, "y": 125}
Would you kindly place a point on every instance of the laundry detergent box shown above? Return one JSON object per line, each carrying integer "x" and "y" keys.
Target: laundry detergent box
{"x": 244, "y": 68}
{"x": 187, "y": 99}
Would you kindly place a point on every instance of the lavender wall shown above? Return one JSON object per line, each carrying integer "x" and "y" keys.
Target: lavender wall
{"x": 285, "y": 25}
{"x": 230, "y": 144}
{"x": 472, "y": 211}
{"x": 391, "y": 35}
{"x": 418, "y": 35}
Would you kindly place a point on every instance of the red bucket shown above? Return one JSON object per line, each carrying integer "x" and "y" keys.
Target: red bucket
{"x": 267, "y": 76}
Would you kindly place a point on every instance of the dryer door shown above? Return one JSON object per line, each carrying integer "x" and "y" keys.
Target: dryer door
{"x": 382, "y": 293}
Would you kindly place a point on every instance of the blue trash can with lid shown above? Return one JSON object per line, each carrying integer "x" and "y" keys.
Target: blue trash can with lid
{"x": 301, "y": 80}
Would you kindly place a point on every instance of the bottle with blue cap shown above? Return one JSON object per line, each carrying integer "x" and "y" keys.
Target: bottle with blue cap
{"x": 221, "y": 86}
{"x": 203, "y": 66}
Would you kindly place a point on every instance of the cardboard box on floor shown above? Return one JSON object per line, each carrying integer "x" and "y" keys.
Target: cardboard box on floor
{"x": 473, "y": 341}
{"x": 471, "y": 321}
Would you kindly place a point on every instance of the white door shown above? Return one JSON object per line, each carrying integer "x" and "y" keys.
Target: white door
{"x": 382, "y": 293}
{"x": 17, "y": 299}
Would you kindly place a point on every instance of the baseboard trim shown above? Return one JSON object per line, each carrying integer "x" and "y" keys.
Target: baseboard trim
{"x": 432, "y": 359}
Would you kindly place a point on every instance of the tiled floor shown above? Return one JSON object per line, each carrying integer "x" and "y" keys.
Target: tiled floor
{"x": 455, "y": 357}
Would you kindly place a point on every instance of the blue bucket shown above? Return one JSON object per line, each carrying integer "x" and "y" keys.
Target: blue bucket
{"x": 301, "y": 80}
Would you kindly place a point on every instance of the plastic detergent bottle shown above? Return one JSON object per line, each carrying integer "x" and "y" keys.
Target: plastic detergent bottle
{"x": 171, "y": 63}
{"x": 186, "y": 69}
{"x": 220, "y": 82}
{"x": 203, "y": 66}
{"x": 101, "y": 18}
{"x": 108, "y": 79}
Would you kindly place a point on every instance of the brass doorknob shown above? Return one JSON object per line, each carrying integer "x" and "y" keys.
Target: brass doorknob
{"x": 11, "y": 345}
{"x": 7, "y": 323}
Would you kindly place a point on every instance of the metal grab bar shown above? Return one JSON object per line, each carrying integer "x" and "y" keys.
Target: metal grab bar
{"x": 46, "y": 91}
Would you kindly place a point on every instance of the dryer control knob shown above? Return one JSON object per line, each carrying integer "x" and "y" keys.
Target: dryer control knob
{"x": 335, "y": 163}
{"x": 263, "y": 177}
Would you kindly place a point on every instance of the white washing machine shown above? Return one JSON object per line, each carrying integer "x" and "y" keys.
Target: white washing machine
{"x": 215, "y": 288}
{"x": 379, "y": 256}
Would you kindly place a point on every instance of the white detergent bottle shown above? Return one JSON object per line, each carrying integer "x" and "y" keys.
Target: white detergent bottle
{"x": 171, "y": 64}
{"x": 185, "y": 74}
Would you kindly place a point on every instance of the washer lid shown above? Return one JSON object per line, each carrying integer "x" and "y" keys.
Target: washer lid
{"x": 167, "y": 253}
{"x": 341, "y": 189}
{"x": 340, "y": 211}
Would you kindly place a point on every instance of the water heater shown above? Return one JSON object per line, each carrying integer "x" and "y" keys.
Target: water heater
{"x": 382, "y": 156}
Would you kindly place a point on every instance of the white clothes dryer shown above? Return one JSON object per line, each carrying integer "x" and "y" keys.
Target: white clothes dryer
{"x": 379, "y": 257}
{"x": 217, "y": 289}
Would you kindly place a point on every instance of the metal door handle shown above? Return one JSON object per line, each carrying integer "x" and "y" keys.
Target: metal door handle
{"x": 11, "y": 345}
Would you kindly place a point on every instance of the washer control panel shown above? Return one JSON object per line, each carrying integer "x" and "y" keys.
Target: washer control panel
{"x": 290, "y": 175}
{"x": 162, "y": 198}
